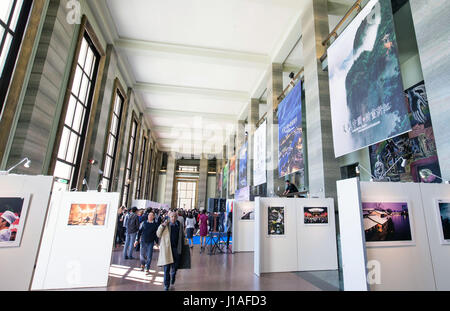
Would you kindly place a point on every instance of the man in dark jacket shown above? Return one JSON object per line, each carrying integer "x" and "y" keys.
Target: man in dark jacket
{"x": 132, "y": 226}
{"x": 147, "y": 238}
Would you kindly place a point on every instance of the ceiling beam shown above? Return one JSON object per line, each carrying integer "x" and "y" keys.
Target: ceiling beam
{"x": 227, "y": 95}
{"x": 190, "y": 114}
{"x": 229, "y": 57}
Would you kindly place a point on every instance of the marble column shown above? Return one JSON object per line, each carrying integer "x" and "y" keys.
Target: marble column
{"x": 202, "y": 182}
{"x": 275, "y": 185}
{"x": 432, "y": 26}
{"x": 253, "y": 118}
{"x": 170, "y": 180}
{"x": 323, "y": 169}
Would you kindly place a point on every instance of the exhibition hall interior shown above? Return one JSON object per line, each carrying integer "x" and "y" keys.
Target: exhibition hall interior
{"x": 239, "y": 145}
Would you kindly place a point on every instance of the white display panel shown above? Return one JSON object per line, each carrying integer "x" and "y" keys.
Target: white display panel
{"x": 317, "y": 241}
{"x": 301, "y": 247}
{"x": 352, "y": 235}
{"x": 259, "y": 152}
{"x": 17, "y": 263}
{"x": 77, "y": 254}
{"x": 402, "y": 267}
{"x": 440, "y": 252}
{"x": 243, "y": 229}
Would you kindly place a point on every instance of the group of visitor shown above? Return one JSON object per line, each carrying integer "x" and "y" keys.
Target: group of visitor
{"x": 143, "y": 230}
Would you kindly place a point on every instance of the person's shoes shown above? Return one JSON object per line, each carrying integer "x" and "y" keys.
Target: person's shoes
{"x": 143, "y": 268}
{"x": 126, "y": 257}
{"x": 131, "y": 257}
{"x": 147, "y": 272}
{"x": 172, "y": 281}
{"x": 166, "y": 289}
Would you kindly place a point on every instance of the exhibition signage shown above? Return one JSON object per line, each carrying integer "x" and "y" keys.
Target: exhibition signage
{"x": 259, "y": 152}
{"x": 225, "y": 179}
{"x": 290, "y": 148}
{"x": 242, "y": 194}
{"x": 366, "y": 89}
{"x": 232, "y": 175}
{"x": 243, "y": 165}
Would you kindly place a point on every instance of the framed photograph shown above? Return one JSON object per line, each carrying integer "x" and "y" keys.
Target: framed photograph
{"x": 87, "y": 215}
{"x": 443, "y": 213}
{"x": 387, "y": 224}
{"x": 247, "y": 212}
{"x": 275, "y": 221}
{"x": 315, "y": 215}
{"x": 13, "y": 213}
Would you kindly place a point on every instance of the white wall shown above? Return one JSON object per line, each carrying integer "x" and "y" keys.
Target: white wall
{"x": 302, "y": 247}
{"x": 243, "y": 230}
{"x": 76, "y": 256}
{"x": 17, "y": 263}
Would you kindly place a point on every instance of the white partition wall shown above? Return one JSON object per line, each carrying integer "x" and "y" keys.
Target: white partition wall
{"x": 353, "y": 248}
{"x": 76, "y": 253}
{"x": 17, "y": 263}
{"x": 440, "y": 250}
{"x": 243, "y": 227}
{"x": 300, "y": 246}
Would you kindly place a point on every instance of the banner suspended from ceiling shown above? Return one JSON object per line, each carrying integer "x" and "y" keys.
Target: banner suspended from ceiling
{"x": 259, "y": 152}
{"x": 290, "y": 133}
{"x": 243, "y": 166}
{"x": 366, "y": 89}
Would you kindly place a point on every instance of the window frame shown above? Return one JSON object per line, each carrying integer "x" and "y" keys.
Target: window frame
{"x": 118, "y": 91}
{"x": 86, "y": 30}
{"x": 134, "y": 119}
{"x": 142, "y": 168}
{"x": 18, "y": 35}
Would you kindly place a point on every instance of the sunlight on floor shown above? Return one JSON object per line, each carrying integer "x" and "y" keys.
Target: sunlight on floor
{"x": 136, "y": 275}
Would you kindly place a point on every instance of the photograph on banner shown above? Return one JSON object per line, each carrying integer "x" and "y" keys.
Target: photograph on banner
{"x": 366, "y": 89}
{"x": 225, "y": 179}
{"x": 232, "y": 188}
{"x": 259, "y": 152}
{"x": 243, "y": 154}
{"x": 315, "y": 215}
{"x": 387, "y": 223}
{"x": 13, "y": 211}
{"x": 417, "y": 147}
{"x": 87, "y": 214}
{"x": 443, "y": 208}
{"x": 247, "y": 211}
{"x": 290, "y": 133}
{"x": 275, "y": 221}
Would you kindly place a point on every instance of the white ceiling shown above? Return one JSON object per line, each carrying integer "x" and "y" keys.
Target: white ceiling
{"x": 196, "y": 63}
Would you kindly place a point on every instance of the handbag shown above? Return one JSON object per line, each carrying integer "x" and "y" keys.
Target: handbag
{"x": 185, "y": 260}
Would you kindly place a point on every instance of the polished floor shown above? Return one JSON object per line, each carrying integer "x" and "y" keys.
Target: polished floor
{"x": 220, "y": 272}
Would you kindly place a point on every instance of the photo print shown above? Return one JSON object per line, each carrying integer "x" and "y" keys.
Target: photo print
{"x": 315, "y": 215}
{"x": 444, "y": 220}
{"x": 12, "y": 217}
{"x": 387, "y": 222}
{"x": 275, "y": 217}
{"x": 87, "y": 215}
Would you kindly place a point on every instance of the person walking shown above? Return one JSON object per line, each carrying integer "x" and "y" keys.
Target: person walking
{"x": 190, "y": 227}
{"x": 171, "y": 235}
{"x": 119, "y": 231}
{"x": 203, "y": 223}
{"x": 146, "y": 237}
{"x": 229, "y": 228}
{"x": 132, "y": 226}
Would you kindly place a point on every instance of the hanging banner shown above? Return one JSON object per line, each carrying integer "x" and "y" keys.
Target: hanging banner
{"x": 366, "y": 89}
{"x": 290, "y": 134}
{"x": 259, "y": 154}
{"x": 243, "y": 165}
{"x": 225, "y": 179}
{"x": 232, "y": 175}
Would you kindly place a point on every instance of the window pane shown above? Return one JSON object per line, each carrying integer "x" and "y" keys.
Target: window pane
{"x": 77, "y": 81}
{"x": 77, "y": 121}
{"x": 16, "y": 14}
{"x": 70, "y": 111}
{"x": 63, "y": 170}
{"x": 5, "y": 9}
{"x": 107, "y": 172}
{"x": 64, "y": 142}
{"x": 71, "y": 151}
{"x": 5, "y": 51}
{"x": 111, "y": 145}
{"x": 118, "y": 105}
{"x": 114, "y": 123}
{"x": 89, "y": 62}
{"x": 83, "y": 51}
{"x": 84, "y": 89}
{"x": 105, "y": 184}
